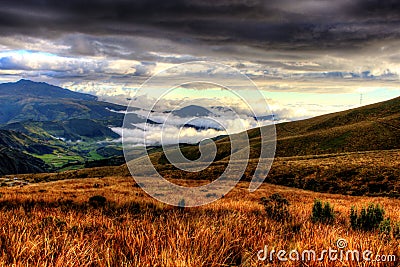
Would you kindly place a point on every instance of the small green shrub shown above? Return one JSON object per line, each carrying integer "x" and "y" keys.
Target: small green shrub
{"x": 353, "y": 217}
{"x": 368, "y": 219}
{"x": 322, "y": 212}
{"x": 276, "y": 207}
{"x": 385, "y": 227}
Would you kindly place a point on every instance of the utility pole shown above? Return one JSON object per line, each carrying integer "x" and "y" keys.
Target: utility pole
{"x": 361, "y": 98}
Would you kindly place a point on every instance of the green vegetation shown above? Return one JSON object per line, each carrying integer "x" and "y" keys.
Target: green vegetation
{"x": 75, "y": 155}
{"x": 37, "y": 140}
{"x": 368, "y": 219}
{"x": 322, "y": 212}
{"x": 93, "y": 155}
{"x": 58, "y": 160}
{"x": 385, "y": 227}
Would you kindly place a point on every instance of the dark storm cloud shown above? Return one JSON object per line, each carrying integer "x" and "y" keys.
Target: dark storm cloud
{"x": 284, "y": 24}
{"x": 386, "y": 9}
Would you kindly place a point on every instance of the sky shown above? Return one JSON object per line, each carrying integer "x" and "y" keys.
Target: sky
{"x": 307, "y": 57}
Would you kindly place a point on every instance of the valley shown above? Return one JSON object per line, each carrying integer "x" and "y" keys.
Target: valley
{"x": 354, "y": 152}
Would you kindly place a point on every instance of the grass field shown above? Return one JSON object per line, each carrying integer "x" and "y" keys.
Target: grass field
{"x": 59, "y": 160}
{"x": 373, "y": 173}
{"x": 55, "y": 224}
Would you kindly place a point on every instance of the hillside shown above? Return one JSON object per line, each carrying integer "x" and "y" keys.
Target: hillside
{"x": 61, "y": 145}
{"x": 41, "y": 123}
{"x": 325, "y": 143}
{"x": 372, "y": 127}
{"x": 19, "y": 141}
{"x": 26, "y": 100}
{"x": 12, "y": 157}
{"x": 73, "y": 130}
{"x": 15, "y": 161}
{"x": 373, "y": 173}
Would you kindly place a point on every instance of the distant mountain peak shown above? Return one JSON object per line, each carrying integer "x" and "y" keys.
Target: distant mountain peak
{"x": 23, "y": 81}
{"x": 26, "y": 81}
{"x": 28, "y": 88}
{"x": 192, "y": 111}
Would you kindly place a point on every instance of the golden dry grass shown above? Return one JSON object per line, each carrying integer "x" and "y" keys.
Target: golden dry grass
{"x": 51, "y": 224}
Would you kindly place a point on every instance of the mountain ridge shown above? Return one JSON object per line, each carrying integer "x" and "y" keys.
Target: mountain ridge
{"x": 371, "y": 127}
{"x": 27, "y": 100}
{"x": 28, "y": 88}
{"x": 42, "y": 123}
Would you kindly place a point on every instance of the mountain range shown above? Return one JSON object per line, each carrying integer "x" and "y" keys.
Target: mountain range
{"x": 45, "y": 127}
{"x": 49, "y": 126}
{"x": 26, "y": 100}
{"x": 52, "y": 128}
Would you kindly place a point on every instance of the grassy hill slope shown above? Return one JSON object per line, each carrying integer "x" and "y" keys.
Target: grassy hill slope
{"x": 13, "y": 160}
{"x": 74, "y": 129}
{"x": 353, "y": 152}
{"x": 372, "y": 127}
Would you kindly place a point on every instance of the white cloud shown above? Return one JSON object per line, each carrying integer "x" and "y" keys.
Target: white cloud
{"x": 156, "y": 135}
{"x": 172, "y": 129}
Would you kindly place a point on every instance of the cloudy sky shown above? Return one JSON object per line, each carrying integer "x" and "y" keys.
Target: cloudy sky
{"x": 308, "y": 57}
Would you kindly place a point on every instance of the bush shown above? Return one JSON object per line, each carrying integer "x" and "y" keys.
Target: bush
{"x": 276, "y": 207}
{"x": 384, "y": 227}
{"x": 322, "y": 212}
{"x": 97, "y": 201}
{"x": 368, "y": 219}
